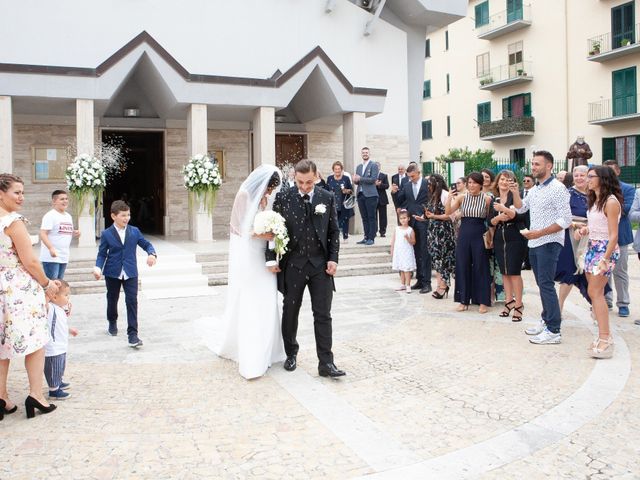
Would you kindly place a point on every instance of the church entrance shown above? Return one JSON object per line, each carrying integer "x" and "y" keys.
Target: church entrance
{"x": 290, "y": 149}
{"x": 140, "y": 180}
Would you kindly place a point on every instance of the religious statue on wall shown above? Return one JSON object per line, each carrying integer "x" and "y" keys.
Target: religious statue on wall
{"x": 579, "y": 152}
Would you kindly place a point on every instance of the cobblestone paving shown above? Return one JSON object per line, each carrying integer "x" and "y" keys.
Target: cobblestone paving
{"x": 429, "y": 379}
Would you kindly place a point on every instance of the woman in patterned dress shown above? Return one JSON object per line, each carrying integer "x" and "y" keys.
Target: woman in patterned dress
{"x": 441, "y": 242}
{"x": 23, "y": 324}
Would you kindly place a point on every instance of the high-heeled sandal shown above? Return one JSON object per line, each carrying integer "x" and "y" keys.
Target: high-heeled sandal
{"x": 30, "y": 404}
{"x": 440, "y": 296}
{"x": 3, "y": 404}
{"x": 606, "y": 352}
{"x": 517, "y": 318}
{"x": 507, "y": 311}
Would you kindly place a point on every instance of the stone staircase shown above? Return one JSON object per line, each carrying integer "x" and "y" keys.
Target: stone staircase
{"x": 354, "y": 260}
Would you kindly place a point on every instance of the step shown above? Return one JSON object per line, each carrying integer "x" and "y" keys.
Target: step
{"x": 163, "y": 270}
{"x": 343, "y": 271}
{"x": 88, "y": 286}
{"x": 179, "y": 292}
{"x": 211, "y": 257}
{"x": 173, "y": 281}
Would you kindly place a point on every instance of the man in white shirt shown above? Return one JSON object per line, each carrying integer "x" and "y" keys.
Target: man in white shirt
{"x": 548, "y": 205}
{"x": 56, "y": 232}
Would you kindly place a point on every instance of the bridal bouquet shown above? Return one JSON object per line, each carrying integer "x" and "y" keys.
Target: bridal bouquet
{"x": 85, "y": 175}
{"x": 269, "y": 221}
{"x": 202, "y": 178}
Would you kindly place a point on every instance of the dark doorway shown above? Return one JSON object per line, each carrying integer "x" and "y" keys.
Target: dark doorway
{"x": 290, "y": 149}
{"x": 141, "y": 180}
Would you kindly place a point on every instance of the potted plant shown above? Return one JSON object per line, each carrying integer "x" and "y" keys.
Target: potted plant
{"x": 595, "y": 48}
{"x": 625, "y": 41}
{"x": 520, "y": 71}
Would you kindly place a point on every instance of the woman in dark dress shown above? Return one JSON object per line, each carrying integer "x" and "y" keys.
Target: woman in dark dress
{"x": 472, "y": 262}
{"x": 441, "y": 242}
{"x": 509, "y": 246}
{"x": 566, "y": 267}
{"x": 341, "y": 186}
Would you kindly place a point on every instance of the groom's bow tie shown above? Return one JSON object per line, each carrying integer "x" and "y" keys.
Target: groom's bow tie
{"x": 307, "y": 204}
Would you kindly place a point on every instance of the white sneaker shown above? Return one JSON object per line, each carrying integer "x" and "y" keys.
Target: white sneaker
{"x": 536, "y": 329}
{"x": 408, "y": 288}
{"x": 546, "y": 338}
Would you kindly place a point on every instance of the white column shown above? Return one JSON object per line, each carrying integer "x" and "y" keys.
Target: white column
{"x": 6, "y": 135}
{"x": 354, "y": 136}
{"x": 264, "y": 136}
{"x": 200, "y": 222}
{"x": 85, "y": 144}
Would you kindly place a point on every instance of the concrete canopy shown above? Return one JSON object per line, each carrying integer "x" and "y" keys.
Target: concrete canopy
{"x": 144, "y": 75}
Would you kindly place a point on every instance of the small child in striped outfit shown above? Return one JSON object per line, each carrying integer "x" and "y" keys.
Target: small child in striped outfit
{"x": 55, "y": 351}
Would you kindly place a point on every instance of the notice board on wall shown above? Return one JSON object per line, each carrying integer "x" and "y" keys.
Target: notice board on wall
{"x": 49, "y": 162}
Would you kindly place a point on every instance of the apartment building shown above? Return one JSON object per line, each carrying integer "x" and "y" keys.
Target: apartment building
{"x": 513, "y": 75}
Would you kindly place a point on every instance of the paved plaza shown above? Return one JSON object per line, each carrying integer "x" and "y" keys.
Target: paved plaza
{"x": 429, "y": 393}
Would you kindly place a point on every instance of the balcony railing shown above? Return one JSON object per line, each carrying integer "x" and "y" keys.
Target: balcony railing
{"x": 505, "y": 22}
{"x": 507, "y": 127}
{"x": 617, "y": 110}
{"x": 608, "y": 45}
{"x": 505, "y": 75}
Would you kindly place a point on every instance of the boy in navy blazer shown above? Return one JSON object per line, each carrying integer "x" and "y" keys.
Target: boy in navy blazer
{"x": 117, "y": 261}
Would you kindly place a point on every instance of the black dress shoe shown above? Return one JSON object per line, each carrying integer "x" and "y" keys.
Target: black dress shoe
{"x": 329, "y": 370}
{"x": 290, "y": 363}
{"x": 425, "y": 289}
{"x": 417, "y": 286}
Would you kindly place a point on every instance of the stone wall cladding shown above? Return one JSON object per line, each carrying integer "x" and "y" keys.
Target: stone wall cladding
{"x": 38, "y": 195}
{"x": 507, "y": 125}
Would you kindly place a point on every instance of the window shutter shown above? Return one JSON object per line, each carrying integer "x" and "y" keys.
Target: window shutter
{"x": 608, "y": 148}
{"x": 527, "y": 104}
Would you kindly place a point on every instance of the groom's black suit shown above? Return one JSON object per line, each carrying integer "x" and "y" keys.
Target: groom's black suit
{"x": 313, "y": 241}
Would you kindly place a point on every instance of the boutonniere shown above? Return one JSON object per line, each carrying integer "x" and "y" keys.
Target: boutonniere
{"x": 321, "y": 209}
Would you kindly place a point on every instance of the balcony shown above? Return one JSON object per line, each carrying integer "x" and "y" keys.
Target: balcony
{"x": 608, "y": 46}
{"x": 607, "y": 111}
{"x": 507, "y": 128}
{"x": 505, "y": 22}
{"x": 506, "y": 75}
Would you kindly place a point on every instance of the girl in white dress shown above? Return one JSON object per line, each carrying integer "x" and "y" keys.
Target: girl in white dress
{"x": 251, "y": 323}
{"x": 404, "y": 259}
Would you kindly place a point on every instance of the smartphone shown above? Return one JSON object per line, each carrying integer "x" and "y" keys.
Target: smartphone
{"x": 454, "y": 187}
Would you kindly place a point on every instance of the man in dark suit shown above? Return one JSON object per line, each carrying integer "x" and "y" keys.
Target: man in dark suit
{"x": 382, "y": 184}
{"x": 398, "y": 179}
{"x": 117, "y": 262}
{"x": 311, "y": 260}
{"x": 411, "y": 197}
{"x": 367, "y": 195}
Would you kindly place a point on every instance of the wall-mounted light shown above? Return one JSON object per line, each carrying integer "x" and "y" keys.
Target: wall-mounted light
{"x": 131, "y": 112}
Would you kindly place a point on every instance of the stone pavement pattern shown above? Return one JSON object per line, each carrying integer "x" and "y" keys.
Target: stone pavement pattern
{"x": 423, "y": 381}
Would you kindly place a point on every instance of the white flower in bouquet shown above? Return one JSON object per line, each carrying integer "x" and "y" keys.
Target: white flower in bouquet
{"x": 269, "y": 221}
{"x": 202, "y": 177}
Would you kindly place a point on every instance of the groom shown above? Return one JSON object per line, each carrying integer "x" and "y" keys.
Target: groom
{"x": 311, "y": 260}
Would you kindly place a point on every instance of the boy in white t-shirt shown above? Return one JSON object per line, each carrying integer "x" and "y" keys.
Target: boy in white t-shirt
{"x": 55, "y": 352}
{"x": 56, "y": 232}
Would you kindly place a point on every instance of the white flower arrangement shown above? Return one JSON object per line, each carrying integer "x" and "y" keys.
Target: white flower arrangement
{"x": 269, "y": 221}
{"x": 85, "y": 175}
{"x": 321, "y": 209}
{"x": 202, "y": 178}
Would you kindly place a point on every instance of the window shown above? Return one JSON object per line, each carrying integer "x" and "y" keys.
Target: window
{"x": 622, "y": 25}
{"x": 448, "y": 84}
{"x": 517, "y": 156}
{"x": 426, "y": 89}
{"x": 482, "y": 14}
{"x": 427, "y": 48}
{"x": 484, "y": 112}
{"x": 624, "y": 150}
{"x": 482, "y": 65}
{"x": 517, "y": 106}
{"x": 514, "y": 10}
{"x": 446, "y": 40}
{"x": 624, "y": 91}
{"x": 426, "y": 130}
{"x": 515, "y": 58}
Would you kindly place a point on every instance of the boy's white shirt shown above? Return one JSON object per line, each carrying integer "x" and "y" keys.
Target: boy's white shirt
{"x": 59, "y": 226}
{"x": 59, "y": 331}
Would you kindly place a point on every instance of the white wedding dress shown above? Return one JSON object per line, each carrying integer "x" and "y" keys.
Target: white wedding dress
{"x": 251, "y": 333}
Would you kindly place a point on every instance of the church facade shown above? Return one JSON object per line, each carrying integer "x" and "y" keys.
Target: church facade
{"x": 247, "y": 82}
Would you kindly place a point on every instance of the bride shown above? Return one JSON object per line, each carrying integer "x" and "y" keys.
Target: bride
{"x": 251, "y": 323}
